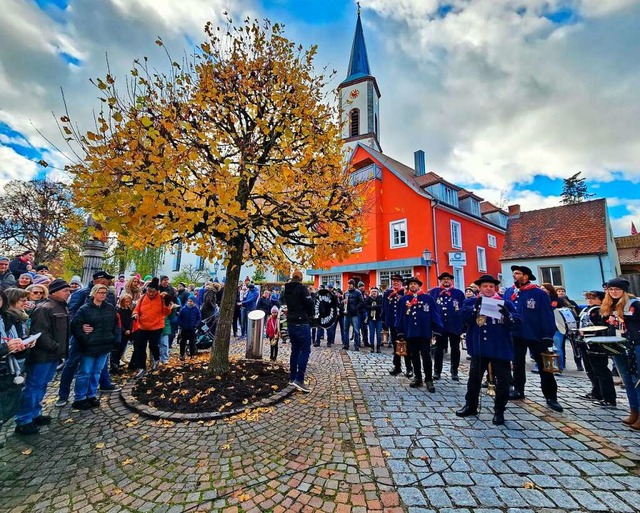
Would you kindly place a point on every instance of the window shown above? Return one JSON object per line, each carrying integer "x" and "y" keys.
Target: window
{"x": 458, "y": 277}
{"x": 492, "y": 241}
{"x": 384, "y": 277}
{"x": 398, "y": 233}
{"x": 336, "y": 279}
{"x": 482, "y": 260}
{"x": 354, "y": 123}
{"x": 450, "y": 196}
{"x": 475, "y": 208}
{"x": 456, "y": 235}
{"x": 200, "y": 264}
{"x": 551, "y": 274}
{"x": 177, "y": 257}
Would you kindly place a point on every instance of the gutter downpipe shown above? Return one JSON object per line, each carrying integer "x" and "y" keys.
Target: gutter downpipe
{"x": 435, "y": 235}
{"x": 601, "y": 268}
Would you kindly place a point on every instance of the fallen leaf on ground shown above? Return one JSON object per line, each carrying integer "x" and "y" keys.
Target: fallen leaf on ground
{"x": 128, "y": 461}
{"x": 100, "y": 445}
{"x": 68, "y": 421}
{"x": 26, "y": 452}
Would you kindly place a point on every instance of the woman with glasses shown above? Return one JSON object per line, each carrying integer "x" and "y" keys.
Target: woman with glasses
{"x": 37, "y": 294}
{"x": 18, "y": 302}
{"x": 621, "y": 314}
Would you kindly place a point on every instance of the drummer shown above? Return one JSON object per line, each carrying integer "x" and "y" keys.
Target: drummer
{"x": 621, "y": 314}
{"x": 596, "y": 365}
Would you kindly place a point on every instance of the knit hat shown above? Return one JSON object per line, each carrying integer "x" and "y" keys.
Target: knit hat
{"x": 76, "y": 279}
{"x": 191, "y": 298}
{"x": 155, "y": 283}
{"x": 274, "y": 309}
{"x": 42, "y": 267}
{"x": 40, "y": 280}
{"x": 360, "y": 284}
{"x": 57, "y": 284}
{"x": 4, "y": 259}
{"x": 28, "y": 275}
{"x": 619, "y": 283}
{"x": 147, "y": 277}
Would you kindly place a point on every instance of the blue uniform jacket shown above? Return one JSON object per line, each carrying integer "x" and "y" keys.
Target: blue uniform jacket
{"x": 390, "y": 311}
{"x": 449, "y": 302}
{"x": 490, "y": 337}
{"x": 421, "y": 319}
{"x": 534, "y": 308}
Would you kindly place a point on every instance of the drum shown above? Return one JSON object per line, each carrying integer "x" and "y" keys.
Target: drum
{"x": 606, "y": 346}
{"x": 565, "y": 320}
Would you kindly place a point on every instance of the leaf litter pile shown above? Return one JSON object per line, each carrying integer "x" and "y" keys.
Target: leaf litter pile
{"x": 186, "y": 387}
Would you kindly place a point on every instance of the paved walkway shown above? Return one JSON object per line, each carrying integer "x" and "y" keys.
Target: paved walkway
{"x": 361, "y": 441}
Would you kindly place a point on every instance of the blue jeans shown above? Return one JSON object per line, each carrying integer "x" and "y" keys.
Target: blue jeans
{"x": 164, "y": 348}
{"x": 355, "y": 322}
{"x": 38, "y": 377}
{"x": 558, "y": 345}
{"x": 630, "y": 380}
{"x": 300, "y": 339}
{"x": 87, "y": 376}
{"x": 318, "y": 337}
{"x": 69, "y": 371}
{"x": 375, "y": 330}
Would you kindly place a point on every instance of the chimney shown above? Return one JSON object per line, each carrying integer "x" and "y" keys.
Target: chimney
{"x": 514, "y": 211}
{"x": 418, "y": 160}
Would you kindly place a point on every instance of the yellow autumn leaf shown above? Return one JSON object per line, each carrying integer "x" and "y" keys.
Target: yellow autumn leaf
{"x": 100, "y": 445}
{"x": 128, "y": 461}
{"x": 26, "y": 452}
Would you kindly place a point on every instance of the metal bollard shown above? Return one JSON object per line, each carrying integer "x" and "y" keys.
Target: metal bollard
{"x": 255, "y": 325}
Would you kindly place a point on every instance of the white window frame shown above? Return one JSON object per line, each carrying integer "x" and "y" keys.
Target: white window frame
{"x": 482, "y": 259}
{"x": 456, "y": 227}
{"x": 384, "y": 276}
{"x": 458, "y": 277}
{"x": 335, "y": 278}
{"x": 392, "y": 224}
{"x": 492, "y": 241}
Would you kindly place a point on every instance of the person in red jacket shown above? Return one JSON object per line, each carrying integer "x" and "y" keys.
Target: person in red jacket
{"x": 273, "y": 332}
{"x": 149, "y": 316}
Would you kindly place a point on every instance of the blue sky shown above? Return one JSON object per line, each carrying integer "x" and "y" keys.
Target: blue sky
{"x": 505, "y": 97}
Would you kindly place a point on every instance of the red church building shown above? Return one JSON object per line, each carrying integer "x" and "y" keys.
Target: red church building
{"x": 417, "y": 223}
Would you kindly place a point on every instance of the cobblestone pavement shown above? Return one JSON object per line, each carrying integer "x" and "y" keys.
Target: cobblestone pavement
{"x": 361, "y": 441}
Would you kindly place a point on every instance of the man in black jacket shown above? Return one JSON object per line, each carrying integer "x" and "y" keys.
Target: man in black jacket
{"x": 299, "y": 304}
{"x": 353, "y": 304}
{"x": 51, "y": 320}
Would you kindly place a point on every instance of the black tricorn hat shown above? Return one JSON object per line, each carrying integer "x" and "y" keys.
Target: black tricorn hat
{"x": 446, "y": 275}
{"x": 524, "y": 270}
{"x": 486, "y": 278}
{"x": 414, "y": 280}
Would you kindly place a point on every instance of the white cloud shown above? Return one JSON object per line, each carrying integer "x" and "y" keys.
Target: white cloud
{"x": 14, "y": 166}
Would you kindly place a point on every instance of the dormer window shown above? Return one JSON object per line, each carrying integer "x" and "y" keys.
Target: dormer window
{"x": 450, "y": 196}
{"x": 354, "y": 123}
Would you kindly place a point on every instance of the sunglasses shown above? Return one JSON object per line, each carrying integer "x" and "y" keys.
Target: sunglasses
{"x": 39, "y": 292}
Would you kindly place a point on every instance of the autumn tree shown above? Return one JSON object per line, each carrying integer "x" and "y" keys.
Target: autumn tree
{"x": 574, "y": 190}
{"x": 235, "y": 152}
{"x": 35, "y": 215}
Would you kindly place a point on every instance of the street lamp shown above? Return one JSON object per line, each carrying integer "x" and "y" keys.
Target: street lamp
{"x": 216, "y": 266}
{"x": 428, "y": 260}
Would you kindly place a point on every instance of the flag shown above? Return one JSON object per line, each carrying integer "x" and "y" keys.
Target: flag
{"x": 633, "y": 229}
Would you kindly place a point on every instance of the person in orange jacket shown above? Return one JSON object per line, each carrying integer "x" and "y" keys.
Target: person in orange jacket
{"x": 148, "y": 316}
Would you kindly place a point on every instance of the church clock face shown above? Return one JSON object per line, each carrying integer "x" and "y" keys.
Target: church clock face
{"x": 354, "y": 94}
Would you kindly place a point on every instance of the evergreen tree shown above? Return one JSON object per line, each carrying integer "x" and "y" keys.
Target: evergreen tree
{"x": 574, "y": 190}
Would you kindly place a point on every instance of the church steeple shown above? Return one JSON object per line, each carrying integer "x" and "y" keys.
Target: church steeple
{"x": 359, "y": 97}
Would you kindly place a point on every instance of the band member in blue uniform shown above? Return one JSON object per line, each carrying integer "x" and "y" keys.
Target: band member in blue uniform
{"x": 391, "y": 320}
{"x": 535, "y": 333}
{"x": 449, "y": 301}
{"x": 489, "y": 342}
{"x": 420, "y": 321}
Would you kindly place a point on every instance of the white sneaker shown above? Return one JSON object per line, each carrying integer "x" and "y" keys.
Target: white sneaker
{"x": 61, "y": 403}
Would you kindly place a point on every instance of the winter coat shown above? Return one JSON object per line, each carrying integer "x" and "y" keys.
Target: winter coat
{"x": 534, "y": 308}
{"x": 449, "y": 302}
{"x": 151, "y": 313}
{"x": 81, "y": 296}
{"x": 355, "y": 302}
{"x": 103, "y": 320}
{"x": 373, "y": 307}
{"x": 250, "y": 300}
{"x": 264, "y": 304}
{"x": 419, "y": 319}
{"x": 299, "y": 303}
{"x": 7, "y": 280}
{"x": 272, "y": 326}
{"x": 51, "y": 320}
{"x": 17, "y": 266}
{"x": 490, "y": 337}
{"x": 189, "y": 318}
{"x": 208, "y": 304}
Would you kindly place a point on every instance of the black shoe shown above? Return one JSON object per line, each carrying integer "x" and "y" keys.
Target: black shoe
{"x": 356, "y": 349}
{"x": 42, "y": 420}
{"x": 378, "y": 350}
{"x": 316, "y": 345}
{"x": 94, "y": 402}
{"x": 395, "y": 371}
{"x": 27, "y": 429}
{"x": 467, "y": 411}
{"x": 580, "y": 368}
{"x": 498, "y": 419}
{"x": 409, "y": 374}
{"x": 81, "y": 405}
{"x": 345, "y": 348}
{"x": 454, "y": 377}
{"x": 591, "y": 397}
{"x": 436, "y": 376}
{"x": 554, "y": 405}
{"x": 514, "y": 395}
{"x": 416, "y": 384}
{"x": 603, "y": 403}
{"x": 430, "y": 387}
{"x": 110, "y": 388}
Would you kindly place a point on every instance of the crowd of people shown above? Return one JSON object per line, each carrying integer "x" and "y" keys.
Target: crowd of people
{"x": 49, "y": 325}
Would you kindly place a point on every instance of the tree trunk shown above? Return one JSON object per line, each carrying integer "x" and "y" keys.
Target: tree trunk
{"x": 219, "y": 362}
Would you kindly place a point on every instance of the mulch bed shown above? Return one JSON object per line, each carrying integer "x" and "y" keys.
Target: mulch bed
{"x": 186, "y": 387}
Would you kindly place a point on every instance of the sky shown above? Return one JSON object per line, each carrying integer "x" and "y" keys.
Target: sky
{"x": 506, "y": 97}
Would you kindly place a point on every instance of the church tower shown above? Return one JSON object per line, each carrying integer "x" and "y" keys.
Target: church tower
{"x": 359, "y": 98}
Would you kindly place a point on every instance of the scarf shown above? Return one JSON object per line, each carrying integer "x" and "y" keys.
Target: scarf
{"x": 445, "y": 291}
{"x": 517, "y": 290}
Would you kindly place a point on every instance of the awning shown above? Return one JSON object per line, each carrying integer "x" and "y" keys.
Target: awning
{"x": 370, "y": 266}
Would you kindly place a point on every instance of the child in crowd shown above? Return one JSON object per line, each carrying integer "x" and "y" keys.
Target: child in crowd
{"x": 273, "y": 332}
{"x": 189, "y": 319}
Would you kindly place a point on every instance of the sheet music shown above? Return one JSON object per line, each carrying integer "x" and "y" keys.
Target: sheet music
{"x": 490, "y": 307}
